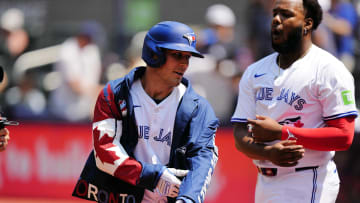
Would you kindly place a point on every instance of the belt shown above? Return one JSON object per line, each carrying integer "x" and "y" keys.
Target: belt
{"x": 274, "y": 171}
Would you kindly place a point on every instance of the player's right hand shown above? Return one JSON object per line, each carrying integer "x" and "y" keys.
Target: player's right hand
{"x": 169, "y": 184}
{"x": 286, "y": 153}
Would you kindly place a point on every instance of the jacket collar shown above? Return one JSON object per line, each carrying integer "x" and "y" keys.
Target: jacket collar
{"x": 133, "y": 75}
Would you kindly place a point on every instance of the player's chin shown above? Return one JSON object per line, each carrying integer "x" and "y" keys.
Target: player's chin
{"x": 175, "y": 82}
{"x": 178, "y": 78}
{"x": 277, "y": 41}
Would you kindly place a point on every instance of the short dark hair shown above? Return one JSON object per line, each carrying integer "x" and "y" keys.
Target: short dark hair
{"x": 313, "y": 10}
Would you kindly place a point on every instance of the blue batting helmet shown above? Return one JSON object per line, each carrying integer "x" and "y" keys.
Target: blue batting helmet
{"x": 168, "y": 35}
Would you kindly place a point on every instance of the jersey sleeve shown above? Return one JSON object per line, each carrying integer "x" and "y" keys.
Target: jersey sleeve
{"x": 109, "y": 154}
{"x": 336, "y": 92}
{"x": 201, "y": 154}
{"x": 245, "y": 107}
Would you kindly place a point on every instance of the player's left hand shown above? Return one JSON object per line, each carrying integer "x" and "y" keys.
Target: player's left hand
{"x": 265, "y": 129}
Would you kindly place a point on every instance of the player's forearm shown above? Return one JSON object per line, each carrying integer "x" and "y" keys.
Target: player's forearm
{"x": 252, "y": 149}
{"x": 196, "y": 183}
{"x": 247, "y": 145}
{"x": 336, "y": 137}
{"x": 110, "y": 156}
{"x": 201, "y": 158}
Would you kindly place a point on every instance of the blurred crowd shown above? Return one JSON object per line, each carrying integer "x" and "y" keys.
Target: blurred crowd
{"x": 61, "y": 82}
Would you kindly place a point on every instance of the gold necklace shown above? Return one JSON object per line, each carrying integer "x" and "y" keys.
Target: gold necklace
{"x": 293, "y": 62}
{"x": 279, "y": 68}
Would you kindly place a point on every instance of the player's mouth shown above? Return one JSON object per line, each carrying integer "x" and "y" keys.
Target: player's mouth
{"x": 179, "y": 73}
{"x": 275, "y": 34}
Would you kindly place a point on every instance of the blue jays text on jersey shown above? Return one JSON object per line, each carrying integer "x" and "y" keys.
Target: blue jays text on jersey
{"x": 162, "y": 137}
{"x": 286, "y": 95}
{"x": 192, "y": 145}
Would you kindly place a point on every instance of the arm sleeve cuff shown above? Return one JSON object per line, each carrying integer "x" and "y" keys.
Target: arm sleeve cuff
{"x": 150, "y": 175}
{"x": 185, "y": 199}
{"x": 336, "y": 136}
{"x": 284, "y": 133}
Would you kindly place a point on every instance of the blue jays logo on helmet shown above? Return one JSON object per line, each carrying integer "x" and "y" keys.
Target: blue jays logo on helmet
{"x": 168, "y": 35}
{"x": 190, "y": 37}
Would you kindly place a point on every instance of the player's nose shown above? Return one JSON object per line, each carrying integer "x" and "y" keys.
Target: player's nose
{"x": 276, "y": 20}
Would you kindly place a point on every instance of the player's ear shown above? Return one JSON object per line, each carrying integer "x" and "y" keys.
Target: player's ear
{"x": 308, "y": 25}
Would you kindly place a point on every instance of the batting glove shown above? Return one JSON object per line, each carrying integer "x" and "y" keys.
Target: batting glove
{"x": 169, "y": 184}
{"x": 178, "y": 172}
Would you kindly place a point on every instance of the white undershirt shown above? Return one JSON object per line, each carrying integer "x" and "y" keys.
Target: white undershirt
{"x": 155, "y": 124}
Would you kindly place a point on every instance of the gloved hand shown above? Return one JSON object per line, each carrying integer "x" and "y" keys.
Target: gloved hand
{"x": 169, "y": 184}
{"x": 178, "y": 172}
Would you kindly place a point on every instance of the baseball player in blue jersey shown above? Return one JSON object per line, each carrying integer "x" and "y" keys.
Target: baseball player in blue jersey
{"x": 151, "y": 130}
{"x": 295, "y": 108}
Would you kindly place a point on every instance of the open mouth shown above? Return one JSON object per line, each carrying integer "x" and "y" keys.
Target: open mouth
{"x": 179, "y": 73}
{"x": 275, "y": 34}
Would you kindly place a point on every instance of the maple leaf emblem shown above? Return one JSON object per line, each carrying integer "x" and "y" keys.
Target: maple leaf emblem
{"x": 101, "y": 146}
{"x": 299, "y": 124}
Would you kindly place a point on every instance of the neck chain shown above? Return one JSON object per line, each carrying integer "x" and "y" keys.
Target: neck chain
{"x": 278, "y": 68}
{"x": 279, "y": 65}
{"x": 294, "y": 61}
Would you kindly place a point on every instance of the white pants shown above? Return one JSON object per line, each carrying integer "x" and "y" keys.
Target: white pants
{"x": 320, "y": 185}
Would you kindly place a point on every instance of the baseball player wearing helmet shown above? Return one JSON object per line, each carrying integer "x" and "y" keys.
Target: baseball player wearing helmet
{"x": 295, "y": 109}
{"x": 151, "y": 130}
